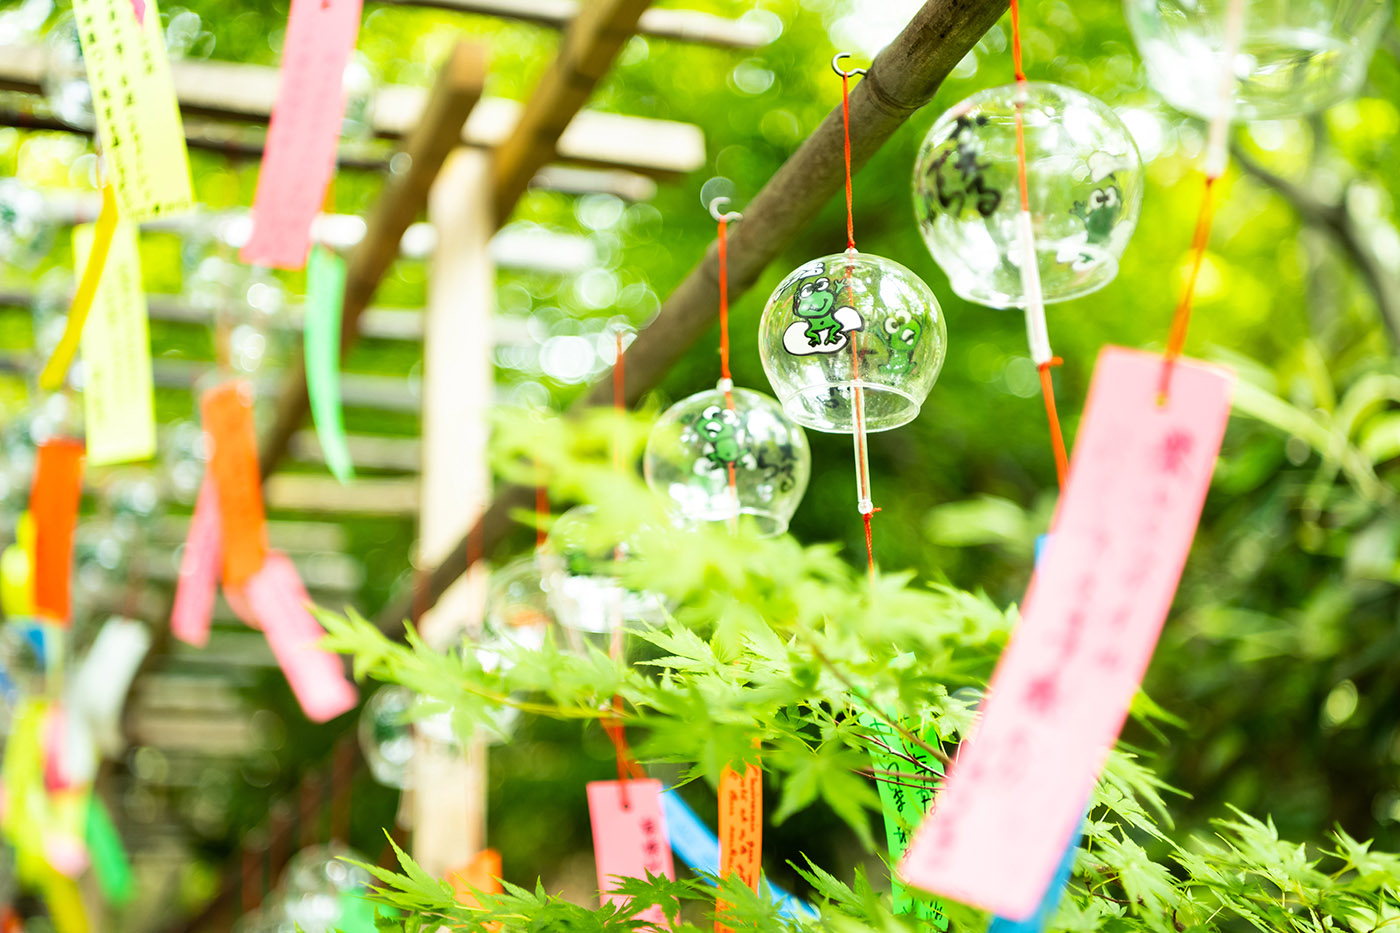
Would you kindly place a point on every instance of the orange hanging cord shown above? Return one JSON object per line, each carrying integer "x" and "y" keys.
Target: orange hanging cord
{"x": 627, "y": 767}
{"x": 726, "y": 379}
{"x": 867, "y": 508}
{"x": 1216, "y": 158}
{"x": 1043, "y": 366}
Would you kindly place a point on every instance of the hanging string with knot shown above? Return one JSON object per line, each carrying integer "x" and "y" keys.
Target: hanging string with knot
{"x": 1216, "y": 158}
{"x": 726, "y": 378}
{"x": 1030, "y": 269}
{"x": 866, "y": 507}
{"x": 627, "y": 767}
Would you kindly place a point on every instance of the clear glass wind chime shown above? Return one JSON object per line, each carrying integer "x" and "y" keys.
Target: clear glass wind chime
{"x": 852, "y": 342}
{"x": 728, "y": 453}
{"x": 1027, "y": 194}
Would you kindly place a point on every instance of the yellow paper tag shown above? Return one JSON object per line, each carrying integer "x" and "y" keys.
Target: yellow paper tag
{"x": 116, "y": 347}
{"x": 56, "y": 369}
{"x": 138, "y": 115}
{"x": 65, "y": 902}
{"x": 17, "y": 571}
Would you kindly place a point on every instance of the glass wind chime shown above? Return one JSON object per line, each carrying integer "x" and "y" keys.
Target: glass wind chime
{"x": 1221, "y": 62}
{"x": 728, "y": 453}
{"x": 1027, "y": 194}
{"x": 852, "y": 342}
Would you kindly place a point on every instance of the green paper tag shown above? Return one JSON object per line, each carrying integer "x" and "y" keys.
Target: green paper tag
{"x": 109, "y": 861}
{"x": 325, "y": 295}
{"x": 905, "y": 804}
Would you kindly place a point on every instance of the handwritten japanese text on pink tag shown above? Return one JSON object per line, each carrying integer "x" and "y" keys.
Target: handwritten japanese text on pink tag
{"x": 199, "y": 569}
{"x": 1091, "y": 619}
{"x": 629, "y": 840}
{"x": 304, "y": 132}
{"x": 276, "y": 596}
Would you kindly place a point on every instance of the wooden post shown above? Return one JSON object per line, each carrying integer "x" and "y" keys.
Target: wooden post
{"x": 449, "y": 796}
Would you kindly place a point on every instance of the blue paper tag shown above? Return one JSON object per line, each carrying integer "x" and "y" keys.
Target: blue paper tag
{"x": 694, "y": 844}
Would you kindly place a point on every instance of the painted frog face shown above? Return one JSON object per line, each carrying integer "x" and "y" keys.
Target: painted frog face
{"x": 815, "y": 298}
{"x": 1101, "y": 212}
{"x": 718, "y": 427}
{"x": 903, "y": 330}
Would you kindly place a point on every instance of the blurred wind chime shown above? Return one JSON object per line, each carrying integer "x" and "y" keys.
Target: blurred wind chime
{"x": 852, "y": 342}
{"x": 1077, "y": 178}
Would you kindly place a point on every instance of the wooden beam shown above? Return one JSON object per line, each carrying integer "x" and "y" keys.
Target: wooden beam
{"x": 398, "y": 454}
{"x": 394, "y": 324}
{"x": 520, "y": 244}
{"x": 244, "y": 144}
{"x": 586, "y": 52}
{"x": 357, "y": 390}
{"x": 683, "y": 25}
{"x": 901, "y": 80}
{"x": 245, "y": 94}
{"x": 454, "y": 95}
{"x": 302, "y": 492}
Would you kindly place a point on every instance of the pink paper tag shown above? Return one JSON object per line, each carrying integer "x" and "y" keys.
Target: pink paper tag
{"x": 199, "y": 569}
{"x": 276, "y": 596}
{"x": 629, "y": 841}
{"x": 1091, "y": 619}
{"x": 299, "y": 157}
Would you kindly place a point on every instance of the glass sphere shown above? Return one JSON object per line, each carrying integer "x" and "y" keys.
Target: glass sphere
{"x": 361, "y": 84}
{"x": 516, "y": 599}
{"x": 324, "y": 868}
{"x": 1084, "y": 180}
{"x": 65, "y": 81}
{"x": 182, "y": 455}
{"x": 699, "y": 440}
{"x": 578, "y": 558}
{"x": 317, "y": 884}
{"x": 517, "y": 620}
{"x": 25, "y": 232}
{"x": 846, "y": 322}
{"x": 385, "y": 732}
{"x": 1295, "y": 56}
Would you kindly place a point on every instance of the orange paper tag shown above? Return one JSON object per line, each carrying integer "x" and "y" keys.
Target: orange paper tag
{"x": 53, "y": 501}
{"x": 227, "y": 411}
{"x": 740, "y": 829}
{"x": 482, "y": 873}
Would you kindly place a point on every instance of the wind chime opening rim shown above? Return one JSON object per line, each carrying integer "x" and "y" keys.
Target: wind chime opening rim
{"x": 875, "y": 398}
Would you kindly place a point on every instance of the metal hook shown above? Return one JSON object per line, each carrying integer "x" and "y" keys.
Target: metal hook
{"x": 836, "y": 66}
{"x": 716, "y": 204}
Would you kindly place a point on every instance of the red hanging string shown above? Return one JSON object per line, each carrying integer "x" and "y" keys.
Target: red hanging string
{"x": 1216, "y": 157}
{"x": 723, "y": 244}
{"x": 846, "y": 127}
{"x": 1057, "y": 438}
{"x": 1181, "y": 318}
{"x": 1016, "y": 42}
{"x": 863, "y": 480}
{"x": 627, "y": 768}
{"x": 1047, "y": 385}
{"x": 726, "y": 378}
